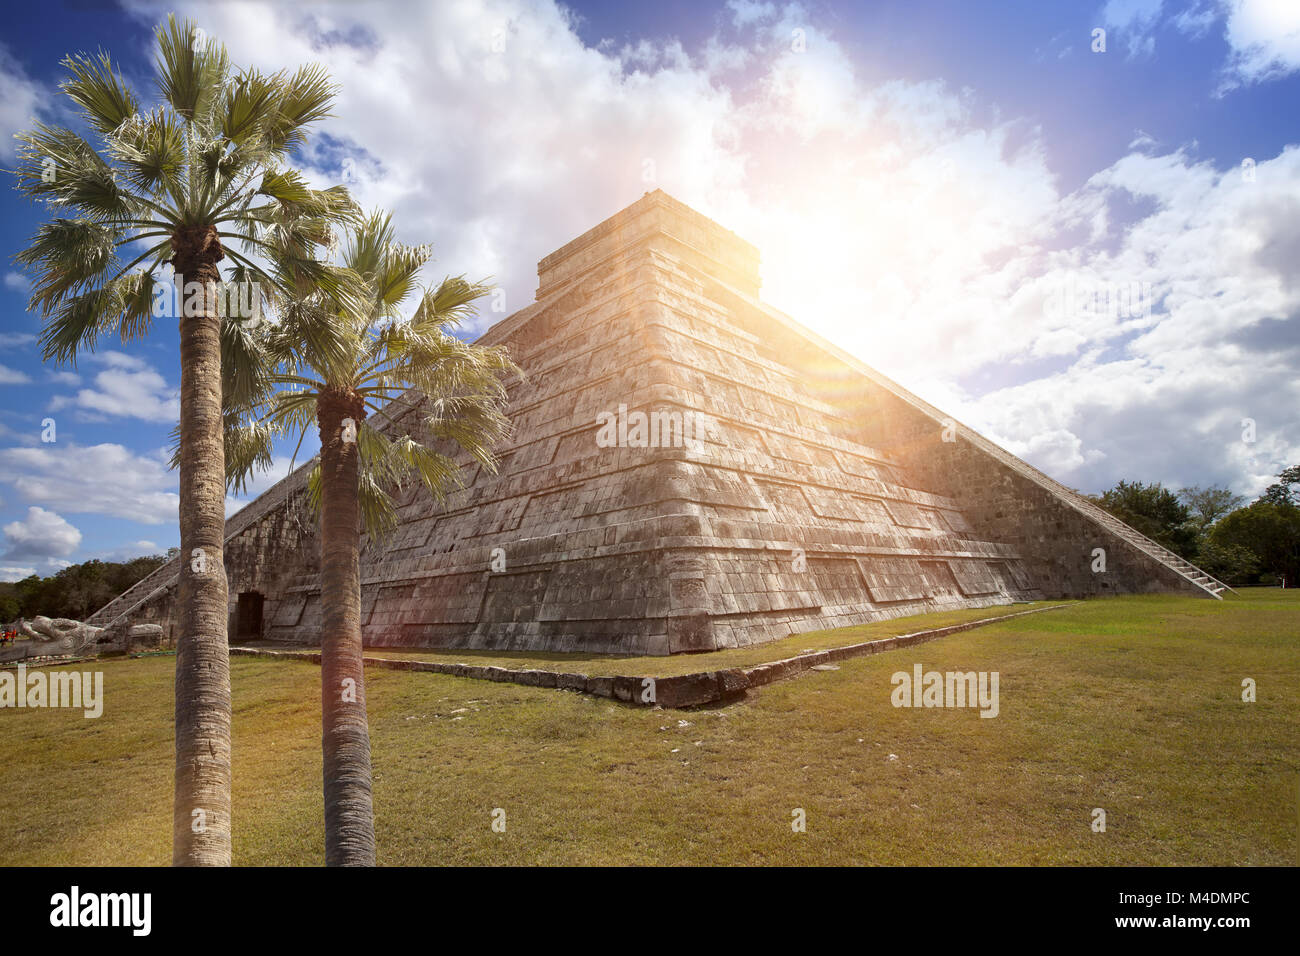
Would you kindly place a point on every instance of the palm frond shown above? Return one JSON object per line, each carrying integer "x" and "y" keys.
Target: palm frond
{"x": 245, "y": 373}
{"x": 248, "y": 446}
{"x": 450, "y": 303}
{"x": 303, "y": 99}
{"x": 105, "y": 100}
{"x": 80, "y": 321}
{"x": 57, "y": 165}
{"x": 475, "y": 423}
{"x": 378, "y": 511}
{"x": 250, "y": 107}
{"x": 191, "y": 68}
{"x": 287, "y": 186}
{"x": 65, "y": 256}
{"x": 151, "y": 152}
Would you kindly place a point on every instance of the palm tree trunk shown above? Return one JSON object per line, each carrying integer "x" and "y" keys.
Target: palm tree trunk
{"x": 201, "y": 810}
{"x": 345, "y": 733}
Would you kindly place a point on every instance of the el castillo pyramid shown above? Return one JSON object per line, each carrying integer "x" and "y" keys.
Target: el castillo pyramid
{"x": 690, "y": 470}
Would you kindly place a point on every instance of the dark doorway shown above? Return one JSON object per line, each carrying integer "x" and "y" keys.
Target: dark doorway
{"x": 248, "y": 616}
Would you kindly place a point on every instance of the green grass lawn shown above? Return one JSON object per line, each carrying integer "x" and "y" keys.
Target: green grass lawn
{"x": 1130, "y": 704}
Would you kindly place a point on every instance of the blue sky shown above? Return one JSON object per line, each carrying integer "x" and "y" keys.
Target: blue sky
{"x": 927, "y": 183}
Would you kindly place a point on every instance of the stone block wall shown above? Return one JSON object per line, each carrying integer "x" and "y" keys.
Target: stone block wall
{"x": 807, "y": 492}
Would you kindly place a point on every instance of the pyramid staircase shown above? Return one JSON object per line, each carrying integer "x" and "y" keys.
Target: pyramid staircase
{"x": 1140, "y": 541}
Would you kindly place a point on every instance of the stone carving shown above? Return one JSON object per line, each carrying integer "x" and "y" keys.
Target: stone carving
{"x": 809, "y": 491}
{"x": 62, "y": 637}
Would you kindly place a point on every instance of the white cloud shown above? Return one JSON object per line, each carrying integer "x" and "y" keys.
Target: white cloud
{"x": 26, "y": 435}
{"x": 10, "y": 572}
{"x": 21, "y": 99}
{"x": 1221, "y": 255}
{"x": 745, "y": 12}
{"x": 11, "y": 376}
{"x": 42, "y": 534}
{"x": 1142, "y": 141}
{"x": 1263, "y": 36}
{"x": 11, "y": 340}
{"x": 104, "y": 479}
{"x": 44, "y": 568}
{"x": 127, "y": 388}
{"x": 129, "y": 551}
{"x": 16, "y": 281}
{"x": 1135, "y": 21}
{"x": 1265, "y": 39}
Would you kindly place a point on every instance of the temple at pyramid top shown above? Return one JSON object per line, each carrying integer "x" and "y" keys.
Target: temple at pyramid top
{"x": 690, "y": 469}
{"x": 655, "y": 221}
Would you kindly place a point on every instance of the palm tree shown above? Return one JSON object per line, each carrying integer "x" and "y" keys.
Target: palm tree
{"x": 333, "y": 363}
{"x": 203, "y": 165}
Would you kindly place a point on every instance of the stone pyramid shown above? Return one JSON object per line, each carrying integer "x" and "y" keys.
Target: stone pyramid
{"x": 690, "y": 470}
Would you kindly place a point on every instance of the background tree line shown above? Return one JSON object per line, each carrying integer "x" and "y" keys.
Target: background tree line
{"x": 1238, "y": 543}
{"x": 77, "y": 591}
